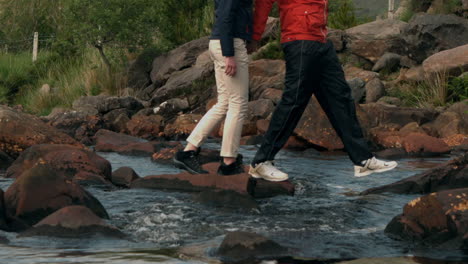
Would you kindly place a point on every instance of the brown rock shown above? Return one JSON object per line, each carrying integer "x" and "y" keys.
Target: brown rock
{"x": 183, "y": 125}
{"x": 375, "y": 90}
{"x": 337, "y": 37}
{"x": 78, "y": 125}
{"x": 352, "y": 72}
{"x": 452, "y": 175}
{"x": 147, "y": 127}
{"x": 266, "y": 74}
{"x": 434, "y": 219}
{"x": 450, "y": 62}
{"x": 227, "y": 200}
{"x": 177, "y": 59}
{"x": 412, "y": 127}
{"x": 456, "y": 140}
{"x": 261, "y": 108}
{"x": 247, "y": 247}
{"x": 116, "y": 120}
{"x": 241, "y": 183}
{"x": 374, "y": 39}
{"x": 272, "y": 94}
{"x": 20, "y": 131}
{"x": 40, "y": 191}
{"x": 72, "y": 221}
{"x": 379, "y": 114}
{"x": 414, "y": 74}
{"x": 124, "y": 176}
{"x": 79, "y": 165}
{"x": 422, "y": 143}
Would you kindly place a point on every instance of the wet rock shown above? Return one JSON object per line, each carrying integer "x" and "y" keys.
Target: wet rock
{"x": 436, "y": 219}
{"x": 177, "y": 59}
{"x": 388, "y": 62}
{"x": 108, "y": 141}
{"x": 76, "y": 164}
{"x": 147, "y": 127}
{"x": 241, "y": 183}
{"x": 228, "y": 200}
{"x": 375, "y": 90}
{"x": 41, "y": 190}
{"x": 267, "y": 189}
{"x": 124, "y": 176}
{"x": 428, "y": 34}
{"x": 73, "y": 222}
{"x": 182, "y": 126}
{"x": 266, "y": 74}
{"x": 78, "y": 125}
{"x": 243, "y": 246}
{"x": 448, "y": 62}
{"x": 374, "y": 39}
{"x": 391, "y": 154}
{"x": 3, "y": 216}
{"x": 424, "y": 144}
{"x": 20, "y": 131}
{"x": 358, "y": 89}
{"x": 451, "y": 175}
{"x": 165, "y": 155}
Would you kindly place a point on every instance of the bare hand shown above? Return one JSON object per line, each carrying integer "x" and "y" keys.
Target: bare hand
{"x": 252, "y": 46}
{"x": 231, "y": 66}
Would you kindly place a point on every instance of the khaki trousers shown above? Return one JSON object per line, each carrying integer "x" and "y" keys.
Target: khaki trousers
{"x": 233, "y": 97}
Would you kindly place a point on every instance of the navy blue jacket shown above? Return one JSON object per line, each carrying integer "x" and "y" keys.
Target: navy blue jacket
{"x": 233, "y": 20}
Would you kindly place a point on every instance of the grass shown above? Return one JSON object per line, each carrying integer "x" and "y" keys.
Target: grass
{"x": 434, "y": 91}
{"x": 441, "y": 7}
{"x": 69, "y": 78}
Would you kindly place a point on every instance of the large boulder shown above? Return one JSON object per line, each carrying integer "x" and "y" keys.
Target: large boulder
{"x": 177, "y": 59}
{"x": 451, "y": 175}
{"x": 380, "y": 114}
{"x": 375, "y": 89}
{"x": 240, "y": 183}
{"x": 448, "y": 62}
{"x": 266, "y": 74}
{"x": 76, "y": 164}
{"x": 337, "y": 37}
{"x": 41, "y": 190}
{"x": 244, "y": 247}
{"x": 19, "y": 131}
{"x": 124, "y": 176}
{"x": 388, "y": 62}
{"x": 372, "y": 40}
{"x": 261, "y": 108}
{"x": 73, "y": 222}
{"x": 439, "y": 219}
{"x": 428, "y": 34}
{"x": 89, "y": 104}
{"x": 76, "y": 124}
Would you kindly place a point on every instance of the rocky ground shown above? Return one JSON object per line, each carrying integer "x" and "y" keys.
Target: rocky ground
{"x": 50, "y": 158}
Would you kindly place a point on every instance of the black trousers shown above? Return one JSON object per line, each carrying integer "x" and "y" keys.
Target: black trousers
{"x": 313, "y": 68}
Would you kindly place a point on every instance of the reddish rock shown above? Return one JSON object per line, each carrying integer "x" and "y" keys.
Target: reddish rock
{"x": 437, "y": 219}
{"x": 108, "y": 141}
{"x": 20, "y": 131}
{"x": 451, "y": 175}
{"x": 262, "y": 126}
{"x": 182, "y": 126}
{"x": 249, "y": 128}
{"x": 124, "y": 176}
{"x": 415, "y": 143}
{"x": 147, "y": 127}
{"x": 166, "y": 155}
{"x": 456, "y": 140}
{"x": 241, "y": 183}
{"x": 267, "y": 189}
{"x": 72, "y": 221}
{"x": 41, "y": 190}
{"x": 74, "y": 163}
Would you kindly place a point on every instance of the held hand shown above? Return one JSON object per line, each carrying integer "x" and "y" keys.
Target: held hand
{"x": 231, "y": 66}
{"x": 252, "y": 46}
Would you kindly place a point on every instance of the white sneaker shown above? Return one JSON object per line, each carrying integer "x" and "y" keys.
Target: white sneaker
{"x": 374, "y": 165}
{"x": 267, "y": 170}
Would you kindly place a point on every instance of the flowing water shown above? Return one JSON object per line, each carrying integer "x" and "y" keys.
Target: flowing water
{"x": 325, "y": 219}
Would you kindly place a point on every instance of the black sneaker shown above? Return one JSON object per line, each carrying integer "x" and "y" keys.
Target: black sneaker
{"x": 188, "y": 160}
{"x": 232, "y": 169}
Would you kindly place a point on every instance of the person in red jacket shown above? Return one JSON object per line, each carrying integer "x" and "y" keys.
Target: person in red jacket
{"x": 312, "y": 67}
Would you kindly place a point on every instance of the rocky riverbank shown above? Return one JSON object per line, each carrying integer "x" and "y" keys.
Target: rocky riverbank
{"x": 52, "y": 159}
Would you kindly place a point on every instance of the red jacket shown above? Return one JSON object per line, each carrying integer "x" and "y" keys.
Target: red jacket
{"x": 300, "y": 19}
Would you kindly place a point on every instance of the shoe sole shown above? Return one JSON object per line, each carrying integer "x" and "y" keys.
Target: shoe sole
{"x": 180, "y": 165}
{"x": 369, "y": 172}
{"x": 258, "y": 176}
